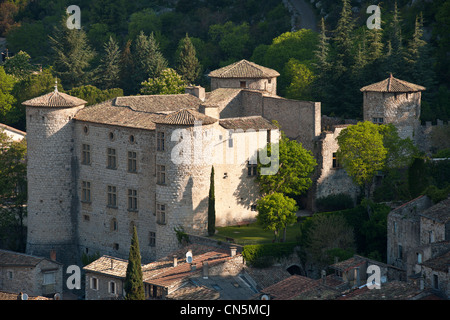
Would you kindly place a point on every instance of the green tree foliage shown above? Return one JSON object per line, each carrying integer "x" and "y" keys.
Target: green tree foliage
{"x": 93, "y": 95}
{"x": 302, "y": 78}
{"x": 7, "y": 100}
{"x": 72, "y": 55}
{"x": 296, "y": 165}
{"x": 211, "y": 206}
{"x": 109, "y": 69}
{"x": 134, "y": 285}
{"x": 18, "y": 65}
{"x": 127, "y": 69}
{"x": 276, "y": 212}
{"x": 13, "y": 192}
{"x": 148, "y": 60}
{"x": 188, "y": 65}
{"x": 362, "y": 153}
{"x": 169, "y": 82}
{"x": 31, "y": 37}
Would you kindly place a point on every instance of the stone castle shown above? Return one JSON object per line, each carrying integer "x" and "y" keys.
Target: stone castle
{"x": 96, "y": 172}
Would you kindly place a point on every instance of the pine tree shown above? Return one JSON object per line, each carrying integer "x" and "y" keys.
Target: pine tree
{"x": 134, "y": 285}
{"x": 148, "y": 59}
{"x": 108, "y": 70}
{"x": 322, "y": 65}
{"x": 211, "y": 206}
{"x": 343, "y": 41}
{"x": 394, "y": 61}
{"x": 72, "y": 55}
{"x": 188, "y": 65}
{"x": 127, "y": 70}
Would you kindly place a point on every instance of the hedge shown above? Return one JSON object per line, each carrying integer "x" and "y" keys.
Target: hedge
{"x": 264, "y": 255}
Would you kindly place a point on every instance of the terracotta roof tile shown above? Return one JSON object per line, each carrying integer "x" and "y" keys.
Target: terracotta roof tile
{"x": 290, "y": 288}
{"x": 185, "y": 117}
{"x": 244, "y": 69}
{"x": 392, "y": 84}
{"x": 245, "y": 123}
{"x": 11, "y": 258}
{"x": 55, "y": 99}
{"x": 159, "y": 103}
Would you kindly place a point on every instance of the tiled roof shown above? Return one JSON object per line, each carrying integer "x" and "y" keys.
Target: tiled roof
{"x": 15, "y": 296}
{"x": 393, "y": 290}
{"x": 392, "y": 84}
{"x": 245, "y": 123}
{"x": 55, "y": 99}
{"x": 108, "y": 265}
{"x": 348, "y": 264}
{"x": 11, "y": 258}
{"x": 193, "y": 292}
{"x": 244, "y": 69}
{"x": 439, "y": 212}
{"x": 441, "y": 263}
{"x": 221, "y": 97}
{"x": 290, "y": 288}
{"x": 108, "y": 113}
{"x": 185, "y": 117}
{"x": 159, "y": 103}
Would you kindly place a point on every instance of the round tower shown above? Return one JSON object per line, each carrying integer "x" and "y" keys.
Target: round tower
{"x": 182, "y": 176}
{"x": 394, "y": 101}
{"x": 51, "y": 176}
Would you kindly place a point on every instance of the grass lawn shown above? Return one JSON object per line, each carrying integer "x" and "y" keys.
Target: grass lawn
{"x": 253, "y": 234}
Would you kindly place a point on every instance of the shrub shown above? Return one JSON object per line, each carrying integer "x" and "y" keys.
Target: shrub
{"x": 334, "y": 202}
{"x": 264, "y": 255}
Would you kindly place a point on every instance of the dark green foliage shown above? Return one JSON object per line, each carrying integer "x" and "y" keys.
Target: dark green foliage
{"x": 264, "y": 255}
{"x": 334, "y": 202}
{"x": 93, "y": 94}
{"x": 211, "y": 206}
{"x": 107, "y": 76}
{"x": 188, "y": 65}
{"x": 72, "y": 55}
{"x": 437, "y": 194}
{"x": 134, "y": 285}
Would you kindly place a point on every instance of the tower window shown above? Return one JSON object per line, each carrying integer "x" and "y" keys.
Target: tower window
{"x": 336, "y": 163}
{"x": 160, "y": 141}
{"x": 85, "y": 191}
{"x": 152, "y": 239}
{"x": 243, "y": 84}
{"x": 251, "y": 169}
{"x": 378, "y": 120}
{"x": 160, "y": 174}
{"x": 161, "y": 213}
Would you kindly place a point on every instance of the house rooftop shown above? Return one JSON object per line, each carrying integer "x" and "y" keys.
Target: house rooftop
{"x": 185, "y": 117}
{"x": 439, "y": 263}
{"x": 440, "y": 212}
{"x": 392, "y": 84}
{"x": 12, "y": 258}
{"x": 245, "y": 123}
{"x": 244, "y": 69}
{"x": 55, "y": 99}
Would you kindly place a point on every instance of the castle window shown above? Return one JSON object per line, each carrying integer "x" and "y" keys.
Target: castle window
{"x": 116, "y": 246}
{"x": 336, "y": 163}
{"x": 114, "y": 225}
{"x": 94, "y": 283}
{"x": 132, "y": 167}
{"x": 86, "y": 130}
{"x": 112, "y": 196}
{"x": 160, "y": 213}
{"x": 86, "y": 154}
{"x": 378, "y": 120}
{"x": 112, "y": 287}
{"x": 160, "y": 141}
{"x": 435, "y": 282}
{"x": 152, "y": 239}
{"x": 85, "y": 191}
{"x": 243, "y": 84}
{"x": 111, "y": 136}
{"x": 86, "y": 217}
{"x": 253, "y": 207}
{"x": 251, "y": 169}
{"x": 131, "y": 139}
{"x": 160, "y": 174}
{"x": 111, "y": 158}
{"x": 400, "y": 251}
{"x": 132, "y": 200}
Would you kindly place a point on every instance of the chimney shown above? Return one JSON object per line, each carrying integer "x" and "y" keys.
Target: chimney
{"x": 175, "y": 260}
{"x": 205, "y": 270}
{"x": 324, "y": 277}
{"x": 197, "y": 91}
{"x": 112, "y": 264}
{"x": 53, "y": 255}
{"x": 233, "y": 251}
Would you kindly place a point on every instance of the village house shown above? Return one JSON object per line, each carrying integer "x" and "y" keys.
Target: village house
{"x": 31, "y": 275}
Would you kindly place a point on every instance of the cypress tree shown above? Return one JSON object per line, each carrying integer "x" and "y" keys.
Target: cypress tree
{"x": 127, "y": 70}
{"x": 108, "y": 70}
{"x": 72, "y": 55}
{"x": 211, "y": 206}
{"x": 394, "y": 59}
{"x": 188, "y": 65}
{"x": 134, "y": 284}
{"x": 322, "y": 66}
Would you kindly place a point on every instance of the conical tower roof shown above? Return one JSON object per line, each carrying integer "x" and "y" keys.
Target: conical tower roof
{"x": 392, "y": 84}
{"x": 244, "y": 69}
{"x": 55, "y": 99}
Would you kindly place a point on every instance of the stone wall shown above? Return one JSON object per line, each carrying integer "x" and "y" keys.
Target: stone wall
{"x": 268, "y": 85}
{"x": 96, "y": 218}
{"x": 103, "y": 289}
{"x": 51, "y": 189}
{"x": 400, "y": 109}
